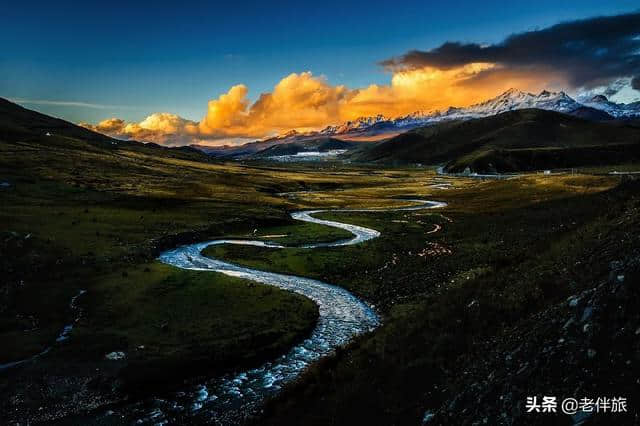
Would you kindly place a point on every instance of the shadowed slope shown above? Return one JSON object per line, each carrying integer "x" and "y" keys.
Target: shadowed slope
{"x": 460, "y": 144}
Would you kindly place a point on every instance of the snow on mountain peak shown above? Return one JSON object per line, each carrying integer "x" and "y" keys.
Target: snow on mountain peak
{"x": 510, "y": 100}
{"x": 514, "y": 99}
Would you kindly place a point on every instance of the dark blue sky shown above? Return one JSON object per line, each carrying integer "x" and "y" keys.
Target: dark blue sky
{"x": 134, "y": 58}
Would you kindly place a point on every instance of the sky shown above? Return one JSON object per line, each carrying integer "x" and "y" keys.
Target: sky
{"x": 220, "y": 72}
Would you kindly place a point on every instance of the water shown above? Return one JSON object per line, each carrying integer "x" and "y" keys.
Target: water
{"x": 64, "y": 335}
{"x": 342, "y": 316}
{"x": 309, "y": 155}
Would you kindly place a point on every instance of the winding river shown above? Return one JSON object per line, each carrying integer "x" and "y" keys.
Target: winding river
{"x": 228, "y": 399}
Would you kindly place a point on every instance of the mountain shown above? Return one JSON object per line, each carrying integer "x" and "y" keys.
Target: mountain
{"x": 380, "y": 127}
{"x": 591, "y": 114}
{"x": 20, "y": 125}
{"x": 289, "y": 143}
{"x": 510, "y": 100}
{"x": 517, "y": 140}
{"x": 309, "y": 149}
{"x": 233, "y": 151}
{"x": 617, "y": 110}
{"x": 19, "y": 122}
{"x": 514, "y": 99}
{"x": 358, "y": 125}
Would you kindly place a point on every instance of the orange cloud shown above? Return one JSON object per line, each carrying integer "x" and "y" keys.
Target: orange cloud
{"x": 160, "y": 127}
{"x": 298, "y": 101}
{"x": 227, "y": 114}
{"x": 304, "y": 102}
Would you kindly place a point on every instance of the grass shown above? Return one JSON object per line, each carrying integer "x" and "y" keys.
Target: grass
{"x": 296, "y": 233}
{"x": 203, "y": 308}
{"x": 194, "y": 321}
{"x": 77, "y": 217}
{"x": 349, "y": 266}
{"x": 517, "y": 247}
{"x": 74, "y": 212}
{"x": 513, "y": 141}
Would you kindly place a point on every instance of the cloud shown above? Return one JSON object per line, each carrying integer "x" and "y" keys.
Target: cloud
{"x": 164, "y": 128}
{"x": 68, "y": 103}
{"x": 299, "y": 100}
{"x": 304, "y": 102}
{"x": 110, "y": 125}
{"x": 228, "y": 113}
{"x": 430, "y": 88}
{"x": 585, "y": 53}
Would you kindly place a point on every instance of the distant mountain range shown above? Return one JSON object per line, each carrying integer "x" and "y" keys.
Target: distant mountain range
{"x": 601, "y": 102}
{"x": 512, "y": 141}
{"x": 497, "y": 136}
{"x": 597, "y": 108}
{"x": 512, "y": 99}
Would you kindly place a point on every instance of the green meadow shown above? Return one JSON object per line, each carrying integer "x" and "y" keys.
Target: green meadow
{"x": 75, "y": 218}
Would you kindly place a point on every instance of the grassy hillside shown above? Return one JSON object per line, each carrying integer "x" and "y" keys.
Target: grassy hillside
{"x": 18, "y": 122}
{"x": 319, "y": 144}
{"x": 477, "y": 316}
{"x": 86, "y": 214}
{"x": 19, "y": 125}
{"x": 498, "y": 143}
{"x": 81, "y": 211}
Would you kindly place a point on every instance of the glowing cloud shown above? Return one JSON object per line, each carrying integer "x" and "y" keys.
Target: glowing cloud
{"x": 160, "y": 127}
{"x": 573, "y": 55}
{"x": 227, "y": 114}
{"x": 304, "y": 102}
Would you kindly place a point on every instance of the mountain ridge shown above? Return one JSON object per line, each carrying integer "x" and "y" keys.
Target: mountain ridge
{"x": 512, "y": 99}
{"x": 599, "y": 108}
{"x": 19, "y": 124}
{"x": 515, "y": 140}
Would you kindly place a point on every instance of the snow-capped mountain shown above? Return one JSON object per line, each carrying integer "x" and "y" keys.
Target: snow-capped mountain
{"x": 379, "y": 126}
{"x": 617, "y": 110}
{"x": 510, "y": 100}
{"x": 357, "y": 125}
{"x": 514, "y": 99}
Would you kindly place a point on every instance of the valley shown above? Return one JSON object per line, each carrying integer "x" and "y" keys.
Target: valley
{"x": 92, "y": 219}
{"x": 320, "y": 213}
{"x": 513, "y": 132}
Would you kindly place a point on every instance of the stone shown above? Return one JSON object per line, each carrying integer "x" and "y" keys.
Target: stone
{"x": 115, "y": 356}
{"x": 586, "y": 315}
{"x": 428, "y": 416}
{"x": 568, "y": 323}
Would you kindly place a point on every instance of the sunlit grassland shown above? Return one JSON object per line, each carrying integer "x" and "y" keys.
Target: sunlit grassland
{"x": 407, "y": 245}
{"x": 516, "y": 246}
{"x": 74, "y": 219}
{"x": 77, "y": 216}
{"x": 353, "y": 267}
{"x": 80, "y": 217}
{"x": 464, "y": 194}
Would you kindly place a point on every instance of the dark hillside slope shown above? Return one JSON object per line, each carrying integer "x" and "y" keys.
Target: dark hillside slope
{"x": 461, "y": 144}
{"x": 19, "y": 122}
{"x": 20, "y": 125}
{"x": 316, "y": 144}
